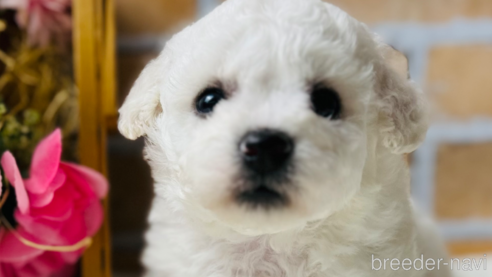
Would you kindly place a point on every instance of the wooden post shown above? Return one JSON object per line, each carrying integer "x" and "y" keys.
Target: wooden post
{"x": 94, "y": 62}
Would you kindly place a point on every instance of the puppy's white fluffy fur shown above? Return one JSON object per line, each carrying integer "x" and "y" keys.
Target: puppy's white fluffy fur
{"x": 349, "y": 198}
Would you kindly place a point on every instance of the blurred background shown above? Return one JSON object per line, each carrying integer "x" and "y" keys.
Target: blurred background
{"x": 449, "y": 47}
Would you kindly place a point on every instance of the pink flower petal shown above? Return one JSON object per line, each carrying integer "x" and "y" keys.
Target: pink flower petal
{"x": 7, "y": 270}
{"x": 40, "y": 200}
{"x": 68, "y": 269}
{"x": 74, "y": 229}
{"x": 60, "y": 209}
{"x": 93, "y": 215}
{"x": 72, "y": 257}
{"x": 57, "y": 5}
{"x": 12, "y": 250}
{"x": 46, "y": 264}
{"x": 25, "y": 271}
{"x": 45, "y": 231}
{"x": 61, "y": 233}
{"x": 94, "y": 179}
{"x": 13, "y": 175}
{"x": 67, "y": 232}
{"x": 38, "y": 29}
{"x": 45, "y": 163}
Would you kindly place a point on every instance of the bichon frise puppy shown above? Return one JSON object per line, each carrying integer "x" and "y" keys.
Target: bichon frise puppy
{"x": 275, "y": 132}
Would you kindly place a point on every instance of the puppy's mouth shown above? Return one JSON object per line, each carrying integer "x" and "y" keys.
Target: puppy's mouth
{"x": 262, "y": 196}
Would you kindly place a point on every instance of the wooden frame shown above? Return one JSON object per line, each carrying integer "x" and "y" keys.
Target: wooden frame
{"x": 94, "y": 60}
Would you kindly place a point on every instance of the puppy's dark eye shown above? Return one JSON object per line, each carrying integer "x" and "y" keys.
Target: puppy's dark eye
{"x": 210, "y": 97}
{"x": 326, "y": 102}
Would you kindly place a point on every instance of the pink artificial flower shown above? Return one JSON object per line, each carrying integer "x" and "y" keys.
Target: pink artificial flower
{"x": 58, "y": 205}
{"x": 44, "y": 20}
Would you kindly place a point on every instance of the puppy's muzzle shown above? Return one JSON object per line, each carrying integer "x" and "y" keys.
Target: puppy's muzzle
{"x": 265, "y": 155}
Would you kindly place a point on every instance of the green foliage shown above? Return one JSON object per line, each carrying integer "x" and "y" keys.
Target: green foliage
{"x": 20, "y": 134}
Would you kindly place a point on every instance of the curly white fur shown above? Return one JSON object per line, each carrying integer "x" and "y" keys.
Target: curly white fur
{"x": 351, "y": 197}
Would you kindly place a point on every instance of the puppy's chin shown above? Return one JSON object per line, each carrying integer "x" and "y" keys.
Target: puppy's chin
{"x": 260, "y": 221}
{"x": 260, "y": 211}
{"x": 266, "y": 208}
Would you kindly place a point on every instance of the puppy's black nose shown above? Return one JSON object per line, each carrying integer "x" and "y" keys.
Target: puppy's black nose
{"x": 266, "y": 151}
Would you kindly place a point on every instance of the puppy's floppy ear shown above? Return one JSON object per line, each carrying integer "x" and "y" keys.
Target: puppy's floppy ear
{"x": 402, "y": 109}
{"x": 142, "y": 105}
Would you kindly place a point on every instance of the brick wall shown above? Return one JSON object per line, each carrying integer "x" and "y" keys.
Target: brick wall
{"x": 376, "y": 11}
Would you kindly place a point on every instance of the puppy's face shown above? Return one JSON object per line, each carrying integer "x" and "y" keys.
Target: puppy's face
{"x": 260, "y": 116}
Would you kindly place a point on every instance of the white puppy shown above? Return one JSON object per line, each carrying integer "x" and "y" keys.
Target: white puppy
{"x": 275, "y": 132}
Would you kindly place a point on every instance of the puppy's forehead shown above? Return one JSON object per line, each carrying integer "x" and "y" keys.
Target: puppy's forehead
{"x": 256, "y": 40}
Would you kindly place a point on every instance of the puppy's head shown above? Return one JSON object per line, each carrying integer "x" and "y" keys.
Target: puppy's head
{"x": 260, "y": 116}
